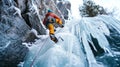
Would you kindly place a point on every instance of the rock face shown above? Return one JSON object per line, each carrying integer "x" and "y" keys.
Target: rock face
{"x": 12, "y": 29}
{"x": 17, "y": 18}
{"x": 13, "y": 54}
{"x": 30, "y": 13}
{"x": 64, "y": 10}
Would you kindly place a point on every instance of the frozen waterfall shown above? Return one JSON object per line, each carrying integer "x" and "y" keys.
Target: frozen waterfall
{"x": 75, "y": 46}
{"x": 74, "y": 50}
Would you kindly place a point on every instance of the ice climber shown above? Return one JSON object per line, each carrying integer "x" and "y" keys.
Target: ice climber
{"x": 52, "y": 21}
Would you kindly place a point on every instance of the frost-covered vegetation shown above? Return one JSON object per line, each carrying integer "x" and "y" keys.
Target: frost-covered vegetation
{"x": 90, "y": 9}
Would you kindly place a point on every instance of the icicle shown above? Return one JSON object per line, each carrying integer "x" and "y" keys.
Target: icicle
{"x": 7, "y": 44}
{"x": 110, "y": 21}
{"x": 17, "y": 10}
{"x": 89, "y": 53}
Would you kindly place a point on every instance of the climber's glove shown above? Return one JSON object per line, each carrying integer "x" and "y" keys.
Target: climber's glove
{"x": 61, "y": 25}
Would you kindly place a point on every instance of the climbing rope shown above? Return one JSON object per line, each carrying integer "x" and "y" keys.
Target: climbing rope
{"x": 36, "y": 55}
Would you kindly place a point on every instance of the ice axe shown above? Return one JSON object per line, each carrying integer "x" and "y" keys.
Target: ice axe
{"x": 60, "y": 38}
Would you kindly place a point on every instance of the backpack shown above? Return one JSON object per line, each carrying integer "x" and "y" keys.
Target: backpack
{"x": 50, "y": 19}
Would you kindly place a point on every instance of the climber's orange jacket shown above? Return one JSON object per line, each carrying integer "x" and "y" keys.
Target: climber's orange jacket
{"x": 52, "y": 15}
{"x": 50, "y": 26}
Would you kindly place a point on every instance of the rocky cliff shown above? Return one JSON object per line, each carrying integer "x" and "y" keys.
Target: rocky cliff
{"x": 17, "y": 18}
